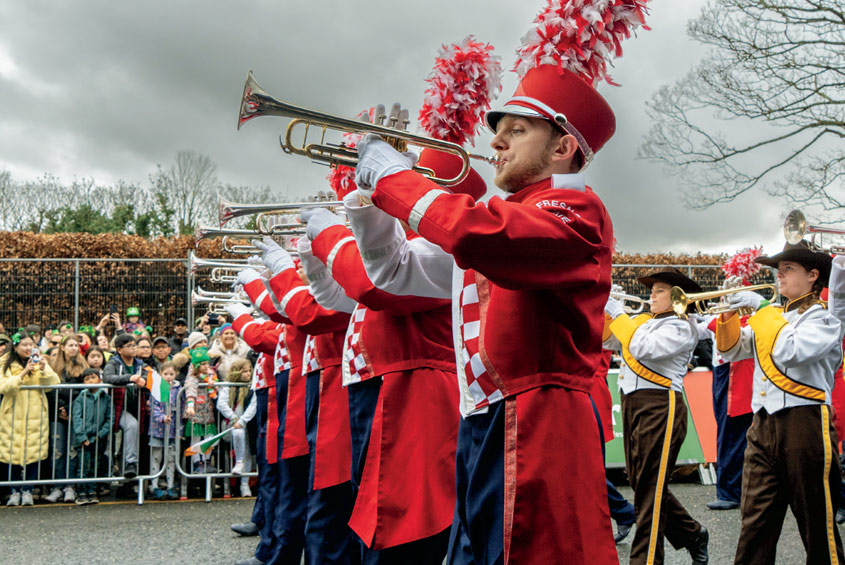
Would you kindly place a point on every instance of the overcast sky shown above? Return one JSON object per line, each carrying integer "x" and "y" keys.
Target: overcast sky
{"x": 109, "y": 90}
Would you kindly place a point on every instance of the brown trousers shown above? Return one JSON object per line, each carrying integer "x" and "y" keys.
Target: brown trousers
{"x": 653, "y": 436}
{"x": 791, "y": 460}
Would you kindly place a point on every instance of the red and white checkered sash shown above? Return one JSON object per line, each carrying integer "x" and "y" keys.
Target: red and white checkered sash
{"x": 482, "y": 388}
{"x": 281, "y": 359}
{"x": 355, "y": 368}
{"x": 310, "y": 359}
{"x": 259, "y": 379}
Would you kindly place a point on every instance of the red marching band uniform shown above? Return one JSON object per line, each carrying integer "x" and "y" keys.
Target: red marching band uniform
{"x": 407, "y": 487}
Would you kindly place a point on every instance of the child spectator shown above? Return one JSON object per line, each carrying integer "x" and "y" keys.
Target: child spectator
{"x": 161, "y": 351}
{"x": 129, "y": 403}
{"x": 90, "y": 431}
{"x": 238, "y": 406}
{"x": 23, "y": 414}
{"x": 133, "y": 320}
{"x": 96, "y": 359}
{"x": 165, "y": 423}
{"x": 199, "y": 402}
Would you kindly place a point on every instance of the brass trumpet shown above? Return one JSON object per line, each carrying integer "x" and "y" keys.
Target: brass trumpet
{"x": 216, "y": 304}
{"x": 637, "y": 304}
{"x": 257, "y": 102}
{"x": 795, "y": 227}
{"x": 228, "y": 210}
{"x": 680, "y": 299}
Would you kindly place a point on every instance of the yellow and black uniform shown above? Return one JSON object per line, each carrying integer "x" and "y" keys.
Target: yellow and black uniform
{"x": 655, "y": 352}
{"x": 792, "y": 454}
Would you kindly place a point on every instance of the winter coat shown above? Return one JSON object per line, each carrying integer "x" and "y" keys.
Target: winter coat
{"x": 161, "y": 409}
{"x": 91, "y": 417}
{"x": 24, "y": 421}
{"x": 227, "y": 356}
{"x": 115, "y": 373}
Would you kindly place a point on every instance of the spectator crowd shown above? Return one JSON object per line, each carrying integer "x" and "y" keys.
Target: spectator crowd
{"x": 110, "y": 427}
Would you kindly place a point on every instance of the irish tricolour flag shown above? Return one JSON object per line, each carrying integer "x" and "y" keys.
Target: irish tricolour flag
{"x": 206, "y": 445}
{"x": 158, "y": 387}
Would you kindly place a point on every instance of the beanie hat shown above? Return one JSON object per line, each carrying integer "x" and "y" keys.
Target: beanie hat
{"x": 199, "y": 356}
{"x": 194, "y": 338}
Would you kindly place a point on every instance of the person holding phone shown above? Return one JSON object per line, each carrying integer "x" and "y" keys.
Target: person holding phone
{"x": 23, "y": 413}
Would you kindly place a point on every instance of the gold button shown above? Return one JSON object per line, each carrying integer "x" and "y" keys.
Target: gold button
{"x": 762, "y": 379}
{"x": 762, "y": 393}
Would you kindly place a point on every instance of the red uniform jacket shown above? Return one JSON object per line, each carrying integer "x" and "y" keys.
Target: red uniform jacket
{"x": 326, "y": 330}
{"x": 407, "y": 488}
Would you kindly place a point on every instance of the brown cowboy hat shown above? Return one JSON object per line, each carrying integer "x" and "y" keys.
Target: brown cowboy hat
{"x": 672, "y": 277}
{"x": 804, "y": 255}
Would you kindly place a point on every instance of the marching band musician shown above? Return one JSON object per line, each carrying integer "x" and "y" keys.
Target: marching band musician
{"x": 656, "y": 349}
{"x": 792, "y": 454}
{"x": 400, "y": 353}
{"x": 533, "y": 273}
{"x": 330, "y": 495}
{"x": 288, "y": 448}
{"x": 262, "y": 336}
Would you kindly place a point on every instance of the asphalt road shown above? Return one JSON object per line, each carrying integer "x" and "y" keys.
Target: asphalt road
{"x": 198, "y": 532}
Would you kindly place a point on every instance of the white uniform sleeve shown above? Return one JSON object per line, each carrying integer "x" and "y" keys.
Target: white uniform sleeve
{"x": 744, "y": 348}
{"x": 612, "y": 344}
{"x": 394, "y": 264}
{"x": 667, "y": 340}
{"x": 326, "y": 291}
{"x": 806, "y": 342}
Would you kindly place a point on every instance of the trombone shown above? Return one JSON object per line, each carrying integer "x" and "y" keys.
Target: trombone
{"x": 795, "y": 227}
{"x": 257, "y": 102}
{"x": 680, "y": 299}
{"x": 635, "y": 303}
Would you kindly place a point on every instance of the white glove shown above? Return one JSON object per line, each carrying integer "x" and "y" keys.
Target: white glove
{"x": 617, "y": 289}
{"x": 236, "y": 310}
{"x": 376, "y": 160}
{"x": 614, "y": 308}
{"x": 303, "y": 246}
{"x": 744, "y": 299}
{"x": 318, "y": 219}
{"x": 245, "y": 277}
{"x": 275, "y": 258}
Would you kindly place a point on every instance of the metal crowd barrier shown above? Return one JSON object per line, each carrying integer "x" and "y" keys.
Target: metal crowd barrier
{"x": 61, "y": 468}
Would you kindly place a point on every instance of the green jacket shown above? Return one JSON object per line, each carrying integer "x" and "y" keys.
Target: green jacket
{"x": 91, "y": 417}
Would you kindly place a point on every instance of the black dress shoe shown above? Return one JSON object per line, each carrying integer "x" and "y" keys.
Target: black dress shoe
{"x": 131, "y": 471}
{"x": 622, "y": 532}
{"x": 698, "y": 548}
{"x": 720, "y": 504}
{"x": 246, "y": 529}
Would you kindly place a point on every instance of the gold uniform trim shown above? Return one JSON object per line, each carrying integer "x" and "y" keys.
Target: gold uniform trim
{"x": 828, "y": 503}
{"x": 661, "y": 479}
{"x": 767, "y": 324}
{"x": 624, "y": 328}
{"x": 727, "y": 333}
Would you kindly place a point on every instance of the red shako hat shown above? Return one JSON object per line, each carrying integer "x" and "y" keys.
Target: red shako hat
{"x": 561, "y": 61}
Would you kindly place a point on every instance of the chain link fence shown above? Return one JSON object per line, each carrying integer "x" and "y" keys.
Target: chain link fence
{"x": 47, "y": 291}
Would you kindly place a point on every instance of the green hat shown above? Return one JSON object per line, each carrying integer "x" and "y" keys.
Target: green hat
{"x": 199, "y": 355}
{"x": 133, "y": 311}
{"x": 88, "y": 330}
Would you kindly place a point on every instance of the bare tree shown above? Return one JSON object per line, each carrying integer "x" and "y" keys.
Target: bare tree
{"x": 775, "y": 74}
{"x": 191, "y": 182}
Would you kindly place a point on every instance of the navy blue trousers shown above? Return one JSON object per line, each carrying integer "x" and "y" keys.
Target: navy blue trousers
{"x": 477, "y": 533}
{"x": 621, "y": 510}
{"x": 730, "y": 439}
{"x": 328, "y": 537}
{"x": 290, "y": 504}
{"x": 262, "y": 513}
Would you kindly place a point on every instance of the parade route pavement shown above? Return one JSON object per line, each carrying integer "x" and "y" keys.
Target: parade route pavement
{"x": 198, "y": 532}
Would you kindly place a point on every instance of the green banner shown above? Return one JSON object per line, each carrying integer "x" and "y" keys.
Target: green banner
{"x": 690, "y": 453}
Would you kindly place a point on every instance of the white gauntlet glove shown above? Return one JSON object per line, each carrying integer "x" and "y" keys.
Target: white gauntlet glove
{"x": 614, "y": 308}
{"x": 275, "y": 258}
{"x": 318, "y": 219}
{"x": 236, "y": 310}
{"x": 376, "y": 160}
{"x": 245, "y": 277}
{"x": 745, "y": 299}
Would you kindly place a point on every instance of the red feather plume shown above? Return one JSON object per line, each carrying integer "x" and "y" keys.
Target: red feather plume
{"x": 465, "y": 80}
{"x": 342, "y": 178}
{"x": 742, "y": 264}
{"x": 580, "y": 36}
